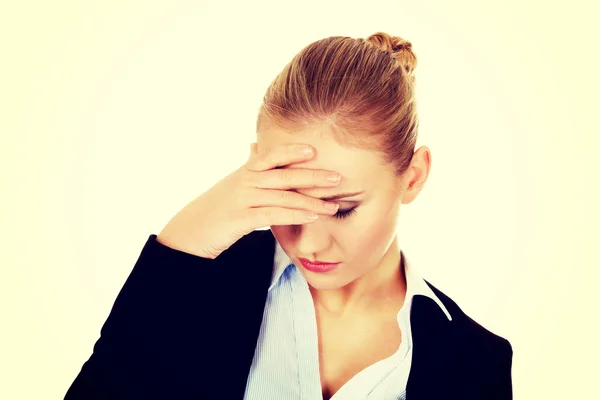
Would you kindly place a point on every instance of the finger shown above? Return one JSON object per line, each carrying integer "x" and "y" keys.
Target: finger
{"x": 293, "y": 200}
{"x": 294, "y": 178}
{"x": 269, "y": 216}
{"x": 272, "y": 157}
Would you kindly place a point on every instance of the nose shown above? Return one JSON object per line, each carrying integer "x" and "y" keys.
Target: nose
{"x": 311, "y": 239}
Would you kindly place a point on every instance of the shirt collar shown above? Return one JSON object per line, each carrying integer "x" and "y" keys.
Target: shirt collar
{"x": 415, "y": 284}
{"x": 280, "y": 263}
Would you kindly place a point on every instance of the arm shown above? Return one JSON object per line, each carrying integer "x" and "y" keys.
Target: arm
{"x": 494, "y": 373}
{"x": 504, "y": 374}
{"x": 150, "y": 334}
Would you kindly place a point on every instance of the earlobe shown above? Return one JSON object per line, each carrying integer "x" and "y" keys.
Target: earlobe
{"x": 411, "y": 191}
{"x": 408, "y": 196}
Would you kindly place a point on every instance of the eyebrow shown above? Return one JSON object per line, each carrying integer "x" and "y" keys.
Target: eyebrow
{"x": 340, "y": 196}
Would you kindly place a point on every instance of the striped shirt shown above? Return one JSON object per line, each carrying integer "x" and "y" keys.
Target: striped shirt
{"x": 286, "y": 360}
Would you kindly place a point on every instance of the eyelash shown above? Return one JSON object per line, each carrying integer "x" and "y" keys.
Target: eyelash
{"x": 345, "y": 213}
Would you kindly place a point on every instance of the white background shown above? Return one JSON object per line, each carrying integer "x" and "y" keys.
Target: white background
{"x": 115, "y": 114}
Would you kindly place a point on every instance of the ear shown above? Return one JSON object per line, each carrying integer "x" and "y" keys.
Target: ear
{"x": 417, "y": 174}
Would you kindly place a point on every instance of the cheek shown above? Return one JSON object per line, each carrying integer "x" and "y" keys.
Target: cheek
{"x": 367, "y": 238}
{"x": 360, "y": 237}
{"x": 283, "y": 234}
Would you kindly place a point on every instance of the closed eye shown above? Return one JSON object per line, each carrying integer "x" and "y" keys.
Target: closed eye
{"x": 341, "y": 214}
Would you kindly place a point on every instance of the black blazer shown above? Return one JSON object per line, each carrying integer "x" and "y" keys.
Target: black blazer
{"x": 186, "y": 327}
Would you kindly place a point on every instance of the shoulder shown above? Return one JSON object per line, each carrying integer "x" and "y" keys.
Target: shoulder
{"x": 482, "y": 355}
{"x": 476, "y": 338}
{"x": 478, "y": 361}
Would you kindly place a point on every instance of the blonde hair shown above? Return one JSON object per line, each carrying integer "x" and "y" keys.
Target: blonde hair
{"x": 362, "y": 88}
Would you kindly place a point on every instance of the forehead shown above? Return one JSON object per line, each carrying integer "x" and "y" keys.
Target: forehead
{"x": 361, "y": 169}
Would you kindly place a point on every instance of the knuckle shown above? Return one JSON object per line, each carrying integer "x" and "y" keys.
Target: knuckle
{"x": 284, "y": 196}
{"x": 316, "y": 178}
{"x": 253, "y": 217}
{"x": 249, "y": 219}
{"x": 250, "y": 198}
{"x": 266, "y": 153}
{"x": 310, "y": 202}
{"x": 257, "y": 180}
{"x": 285, "y": 175}
{"x": 317, "y": 204}
{"x": 245, "y": 174}
{"x": 250, "y": 179}
{"x": 268, "y": 215}
{"x": 295, "y": 216}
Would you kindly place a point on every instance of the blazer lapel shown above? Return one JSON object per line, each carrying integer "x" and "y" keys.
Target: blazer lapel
{"x": 434, "y": 368}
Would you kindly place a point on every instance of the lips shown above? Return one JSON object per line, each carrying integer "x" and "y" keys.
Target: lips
{"x": 318, "y": 266}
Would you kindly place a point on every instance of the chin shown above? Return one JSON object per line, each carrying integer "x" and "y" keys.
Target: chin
{"x": 325, "y": 283}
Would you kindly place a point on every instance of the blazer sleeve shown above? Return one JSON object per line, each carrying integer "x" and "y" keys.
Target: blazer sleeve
{"x": 502, "y": 387}
{"x": 151, "y": 327}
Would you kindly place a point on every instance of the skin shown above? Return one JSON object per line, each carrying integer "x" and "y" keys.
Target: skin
{"x": 356, "y": 304}
{"x": 365, "y": 242}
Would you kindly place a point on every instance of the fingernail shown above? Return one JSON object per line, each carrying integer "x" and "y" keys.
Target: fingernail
{"x": 305, "y": 149}
{"x": 333, "y": 177}
{"x": 331, "y": 206}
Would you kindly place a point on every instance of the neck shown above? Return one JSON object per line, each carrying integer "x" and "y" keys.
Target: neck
{"x": 379, "y": 289}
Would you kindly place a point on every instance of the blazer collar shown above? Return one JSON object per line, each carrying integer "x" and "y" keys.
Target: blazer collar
{"x": 435, "y": 364}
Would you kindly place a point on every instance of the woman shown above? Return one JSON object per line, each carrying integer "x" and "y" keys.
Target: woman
{"x": 324, "y": 304}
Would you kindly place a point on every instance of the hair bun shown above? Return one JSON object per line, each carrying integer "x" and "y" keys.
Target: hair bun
{"x": 400, "y": 48}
